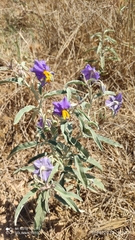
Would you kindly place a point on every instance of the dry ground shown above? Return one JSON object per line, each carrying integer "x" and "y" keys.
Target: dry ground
{"x": 60, "y": 32}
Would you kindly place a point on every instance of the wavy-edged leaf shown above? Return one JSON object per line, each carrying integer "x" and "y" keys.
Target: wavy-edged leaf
{"x": 10, "y": 80}
{"x": 99, "y": 184}
{"x": 64, "y": 194}
{"x": 67, "y": 201}
{"x": 92, "y": 189}
{"x": 94, "y": 162}
{"x": 109, "y": 141}
{"x": 69, "y": 93}
{"x": 22, "y": 203}
{"x": 56, "y": 145}
{"x": 40, "y": 213}
{"x": 85, "y": 105}
{"x": 21, "y": 112}
{"x": 109, "y": 93}
{"x": 54, "y": 170}
{"x": 75, "y": 82}
{"x": 78, "y": 145}
{"x": 34, "y": 92}
{"x": 36, "y": 157}
{"x": 28, "y": 168}
{"x": 80, "y": 171}
{"x": 53, "y": 93}
{"x": 96, "y": 138}
{"x": 23, "y": 146}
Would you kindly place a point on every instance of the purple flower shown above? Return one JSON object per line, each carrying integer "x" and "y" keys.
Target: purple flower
{"x": 114, "y": 103}
{"x": 40, "y": 123}
{"x": 43, "y": 168}
{"x": 42, "y": 71}
{"x": 90, "y": 72}
{"x": 60, "y": 108}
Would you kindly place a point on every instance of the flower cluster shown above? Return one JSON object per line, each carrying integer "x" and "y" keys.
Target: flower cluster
{"x": 44, "y": 75}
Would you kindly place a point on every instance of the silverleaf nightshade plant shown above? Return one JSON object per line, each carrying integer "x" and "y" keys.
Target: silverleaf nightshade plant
{"x": 60, "y": 158}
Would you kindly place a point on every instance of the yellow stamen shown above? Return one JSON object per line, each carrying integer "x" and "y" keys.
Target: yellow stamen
{"x": 48, "y": 75}
{"x": 65, "y": 114}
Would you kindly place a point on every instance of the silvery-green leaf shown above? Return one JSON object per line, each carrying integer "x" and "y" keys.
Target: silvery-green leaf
{"x": 80, "y": 171}
{"x": 21, "y": 112}
{"x": 23, "y": 146}
{"x": 22, "y": 203}
{"x": 109, "y": 141}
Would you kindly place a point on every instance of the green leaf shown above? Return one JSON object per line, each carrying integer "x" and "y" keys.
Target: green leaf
{"x": 20, "y": 80}
{"x": 62, "y": 126}
{"x": 68, "y": 169}
{"x": 79, "y": 146}
{"x": 94, "y": 162}
{"x": 53, "y": 93}
{"x": 40, "y": 213}
{"x": 80, "y": 171}
{"x": 34, "y": 92}
{"x": 23, "y": 146}
{"x": 60, "y": 199}
{"x": 99, "y": 184}
{"x": 28, "y": 168}
{"x": 10, "y": 80}
{"x": 109, "y": 93}
{"x": 75, "y": 82}
{"x": 67, "y": 201}
{"x": 109, "y": 141}
{"x": 68, "y": 94}
{"x": 64, "y": 194}
{"x": 102, "y": 61}
{"x": 85, "y": 105}
{"x": 99, "y": 49}
{"x": 54, "y": 170}
{"x": 56, "y": 145}
{"x": 46, "y": 195}
{"x": 108, "y": 30}
{"x": 36, "y": 157}
{"x": 92, "y": 189}
{"x": 111, "y": 40}
{"x": 71, "y": 203}
{"x": 22, "y": 203}
{"x": 21, "y": 112}
{"x": 96, "y": 138}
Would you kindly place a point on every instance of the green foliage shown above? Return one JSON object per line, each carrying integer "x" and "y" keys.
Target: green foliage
{"x": 21, "y": 113}
{"x": 71, "y": 160}
{"x": 105, "y": 47}
{"x": 40, "y": 212}
{"x": 23, "y": 146}
{"x": 23, "y": 202}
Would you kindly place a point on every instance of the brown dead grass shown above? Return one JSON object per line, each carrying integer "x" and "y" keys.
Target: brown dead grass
{"x": 59, "y": 32}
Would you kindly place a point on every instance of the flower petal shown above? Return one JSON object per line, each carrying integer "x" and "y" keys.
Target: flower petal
{"x": 65, "y": 104}
{"x": 90, "y": 72}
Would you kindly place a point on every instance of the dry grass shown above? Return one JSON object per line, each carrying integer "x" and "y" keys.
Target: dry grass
{"x": 60, "y": 32}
